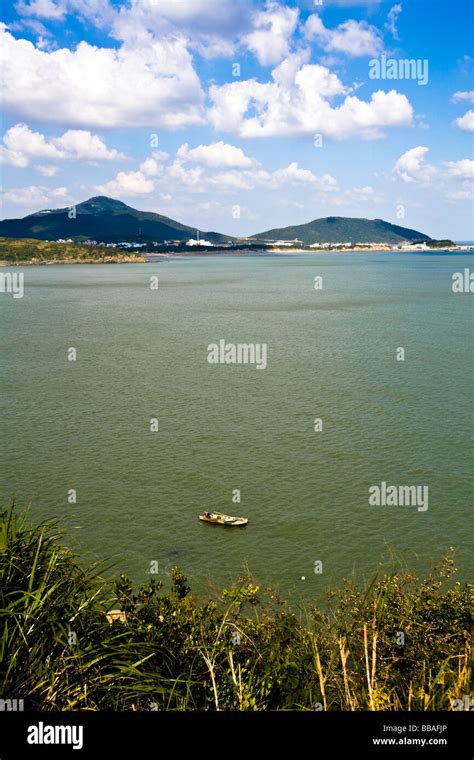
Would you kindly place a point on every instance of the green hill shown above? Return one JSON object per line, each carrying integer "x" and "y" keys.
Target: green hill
{"x": 110, "y": 221}
{"x": 104, "y": 220}
{"x": 343, "y": 229}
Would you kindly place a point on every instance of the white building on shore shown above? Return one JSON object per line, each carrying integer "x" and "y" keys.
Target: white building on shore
{"x": 288, "y": 242}
{"x": 198, "y": 241}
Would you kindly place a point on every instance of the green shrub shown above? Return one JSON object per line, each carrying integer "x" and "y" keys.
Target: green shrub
{"x": 399, "y": 644}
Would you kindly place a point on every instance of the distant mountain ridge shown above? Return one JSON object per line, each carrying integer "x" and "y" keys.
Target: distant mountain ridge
{"x": 107, "y": 220}
{"x": 343, "y": 229}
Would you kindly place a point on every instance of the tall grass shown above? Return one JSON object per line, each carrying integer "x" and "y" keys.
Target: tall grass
{"x": 401, "y": 643}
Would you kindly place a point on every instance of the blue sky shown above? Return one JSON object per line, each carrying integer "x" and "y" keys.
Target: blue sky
{"x": 241, "y": 115}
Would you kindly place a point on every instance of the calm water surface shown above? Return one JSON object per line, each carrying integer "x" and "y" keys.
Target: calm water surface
{"x": 142, "y": 353}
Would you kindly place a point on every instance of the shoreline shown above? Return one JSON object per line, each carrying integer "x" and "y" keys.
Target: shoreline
{"x": 289, "y": 251}
{"x": 64, "y": 262}
{"x": 149, "y": 258}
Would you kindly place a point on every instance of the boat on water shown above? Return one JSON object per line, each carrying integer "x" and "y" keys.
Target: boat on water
{"x": 219, "y": 519}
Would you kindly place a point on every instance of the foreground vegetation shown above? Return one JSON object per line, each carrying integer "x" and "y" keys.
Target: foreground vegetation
{"x": 26, "y": 251}
{"x": 402, "y": 643}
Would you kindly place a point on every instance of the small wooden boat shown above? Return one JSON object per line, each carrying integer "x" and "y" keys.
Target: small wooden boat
{"x": 219, "y": 519}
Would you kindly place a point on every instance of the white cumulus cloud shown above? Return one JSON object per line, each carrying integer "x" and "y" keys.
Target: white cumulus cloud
{"x": 466, "y": 122}
{"x": 150, "y": 85}
{"x": 47, "y": 9}
{"x": 211, "y": 27}
{"x": 224, "y": 171}
{"x": 462, "y": 168}
{"x": 354, "y": 38}
{"x": 296, "y": 102}
{"x": 21, "y": 144}
{"x": 273, "y": 30}
{"x": 127, "y": 184}
{"x": 34, "y": 195}
{"x": 295, "y": 175}
{"x": 411, "y": 166}
{"x": 98, "y": 12}
{"x": 153, "y": 165}
{"x": 463, "y": 95}
{"x": 215, "y": 155}
{"x": 47, "y": 170}
{"x": 82, "y": 144}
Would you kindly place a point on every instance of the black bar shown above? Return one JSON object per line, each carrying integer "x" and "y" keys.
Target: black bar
{"x": 134, "y": 735}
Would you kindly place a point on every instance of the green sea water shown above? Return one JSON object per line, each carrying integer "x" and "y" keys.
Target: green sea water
{"x": 331, "y": 353}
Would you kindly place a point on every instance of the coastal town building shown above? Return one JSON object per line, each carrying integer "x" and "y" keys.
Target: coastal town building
{"x": 192, "y": 242}
{"x": 288, "y": 242}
